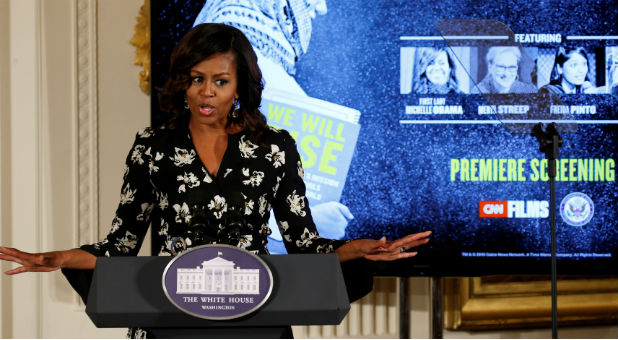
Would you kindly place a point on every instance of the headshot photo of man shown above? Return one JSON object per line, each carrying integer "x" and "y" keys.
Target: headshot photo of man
{"x": 503, "y": 72}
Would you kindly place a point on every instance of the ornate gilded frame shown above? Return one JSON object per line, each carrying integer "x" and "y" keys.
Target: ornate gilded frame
{"x": 500, "y": 302}
{"x": 141, "y": 41}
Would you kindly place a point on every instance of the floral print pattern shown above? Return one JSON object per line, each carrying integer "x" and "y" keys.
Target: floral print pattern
{"x": 165, "y": 182}
{"x": 127, "y": 242}
{"x": 183, "y": 215}
{"x": 297, "y": 203}
{"x": 187, "y": 180}
{"x": 218, "y": 206}
{"x": 127, "y": 196}
{"x": 145, "y": 213}
{"x": 163, "y": 203}
{"x": 136, "y": 155}
{"x": 152, "y": 167}
{"x": 116, "y": 223}
{"x": 305, "y": 238}
{"x": 254, "y": 179}
{"x": 183, "y": 157}
{"x": 276, "y": 156}
{"x": 263, "y": 205}
{"x": 247, "y": 148}
{"x": 145, "y": 132}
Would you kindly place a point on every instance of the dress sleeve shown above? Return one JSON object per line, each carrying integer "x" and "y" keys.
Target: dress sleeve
{"x": 291, "y": 207}
{"x": 137, "y": 199}
{"x": 132, "y": 217}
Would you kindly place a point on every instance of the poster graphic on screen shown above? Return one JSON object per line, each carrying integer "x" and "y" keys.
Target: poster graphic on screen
{"x": 413, "y": 116}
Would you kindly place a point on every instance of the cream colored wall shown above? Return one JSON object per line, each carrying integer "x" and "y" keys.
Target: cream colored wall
{"x": 22, "y": 144}
{"x": 4, "y": 108}
{"x": 70, "y": 105}
{"x": 123, "y": 108}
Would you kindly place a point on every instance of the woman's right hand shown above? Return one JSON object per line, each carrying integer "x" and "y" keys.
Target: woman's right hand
{"x": 47, "y": 262}
{"x": 41, "y": 262}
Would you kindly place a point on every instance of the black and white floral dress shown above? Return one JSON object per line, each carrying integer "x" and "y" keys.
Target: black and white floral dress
{"x": 165, "y": 182}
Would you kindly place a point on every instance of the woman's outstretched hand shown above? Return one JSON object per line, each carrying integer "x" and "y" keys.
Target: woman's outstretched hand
{"x": 46, "y": 262}
{"x": 382, "y": 250}
{"x": 43, "y": 262}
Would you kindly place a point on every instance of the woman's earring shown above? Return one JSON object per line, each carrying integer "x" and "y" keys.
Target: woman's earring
{"x": 235, "y": 108}
{"x": 186, "y": 104}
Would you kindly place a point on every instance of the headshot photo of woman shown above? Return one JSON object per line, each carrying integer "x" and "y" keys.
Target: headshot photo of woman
{"x": 503, "y": 66}
{"x": 570, "y": 73}
{"x": 435, "y": 71}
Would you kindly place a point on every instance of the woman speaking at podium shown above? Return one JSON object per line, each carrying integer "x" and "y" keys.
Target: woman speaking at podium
{"x": 212, "y": 173}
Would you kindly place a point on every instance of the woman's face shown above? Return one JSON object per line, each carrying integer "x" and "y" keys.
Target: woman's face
{"x": 575, "y": 69}
{"x": 438, "y": 69}
{"x": 503, "y": 69}
{"x": 212, "y": 90}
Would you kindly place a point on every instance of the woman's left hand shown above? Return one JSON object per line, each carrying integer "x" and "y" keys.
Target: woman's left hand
{"x": 382, "y": 250}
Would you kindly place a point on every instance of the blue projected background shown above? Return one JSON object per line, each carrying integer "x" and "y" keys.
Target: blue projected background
{"x": 448, "y": 158}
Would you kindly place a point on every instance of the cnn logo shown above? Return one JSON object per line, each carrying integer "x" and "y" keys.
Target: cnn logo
{"x": 492, "y": 209}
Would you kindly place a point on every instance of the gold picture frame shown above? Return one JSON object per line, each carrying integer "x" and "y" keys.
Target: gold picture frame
{"x": 499, "y": 302}
{"x": 141, "y": 41}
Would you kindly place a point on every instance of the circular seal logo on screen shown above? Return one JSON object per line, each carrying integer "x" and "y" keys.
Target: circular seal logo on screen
{"x": 217, "y": 282}
{"x": 576, "y": 209}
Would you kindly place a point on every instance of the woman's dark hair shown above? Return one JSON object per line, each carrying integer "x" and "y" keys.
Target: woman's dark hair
{"x": 562, "y": 55}
{"x": 204, "y": 41}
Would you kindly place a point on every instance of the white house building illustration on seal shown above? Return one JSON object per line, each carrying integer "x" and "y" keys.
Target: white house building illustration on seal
{"x": 217, "y": 276}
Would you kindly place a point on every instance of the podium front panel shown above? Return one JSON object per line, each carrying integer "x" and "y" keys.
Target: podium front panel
{"x": 127, "y": 292}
